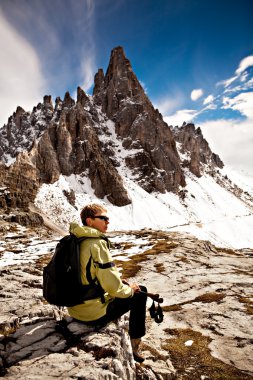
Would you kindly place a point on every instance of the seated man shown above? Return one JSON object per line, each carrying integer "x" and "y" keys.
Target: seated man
{"x": 117, "y": 297}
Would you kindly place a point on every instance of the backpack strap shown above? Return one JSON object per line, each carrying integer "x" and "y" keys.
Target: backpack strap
{"x": 106, "y": 265}
{"x": 101, "y": 266}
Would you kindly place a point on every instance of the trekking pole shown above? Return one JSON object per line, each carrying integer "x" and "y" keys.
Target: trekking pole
{"x": 154, "y": 297}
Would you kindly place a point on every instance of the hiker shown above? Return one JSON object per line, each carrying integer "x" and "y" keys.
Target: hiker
{"x": 117, "y": 296}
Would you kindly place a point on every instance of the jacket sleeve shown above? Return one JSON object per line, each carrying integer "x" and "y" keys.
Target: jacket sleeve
{"x": 107, "y": 273}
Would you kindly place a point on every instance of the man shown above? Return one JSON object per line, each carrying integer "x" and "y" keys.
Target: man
{"x": 117, "y": 297}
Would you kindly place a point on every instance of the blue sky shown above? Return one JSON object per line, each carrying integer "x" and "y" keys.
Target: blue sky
{"x": 184, "y": 52}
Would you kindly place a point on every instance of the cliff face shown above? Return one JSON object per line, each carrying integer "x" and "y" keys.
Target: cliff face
{"x": 139, "y": 126}
{"x": 84, "y": 136}
{"x": 66, "y": 143}
{"x": 196, "y": 150}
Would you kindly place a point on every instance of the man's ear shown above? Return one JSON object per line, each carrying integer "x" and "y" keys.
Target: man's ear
{"x": 89, "y": 222}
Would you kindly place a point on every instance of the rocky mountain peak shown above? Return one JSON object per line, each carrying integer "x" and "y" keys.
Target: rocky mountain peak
{"x": 195, "y": 149}
{"x": 82, "y": 98}
{"x": 47, "y": 102}
{"x": 155, "y": 163}
{"x": 86, "y": 137}
{"x": 117, "y": 84}
{"x": 68, "y": 102}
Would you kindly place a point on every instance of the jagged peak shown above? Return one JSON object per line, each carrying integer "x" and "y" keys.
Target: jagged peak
{"x": 118, "y": 84}
{"x": 82, "y": 98}
{"x": 98, "y": 81}
{"x": 16, "y": 116}
{"x": 47, "y": 102}
{"x": 118, "y": 62}
{"x": 193, "y": 141}
{"x": 68, "y": 101}
{"x": 58, "y": 102}
{"x": 19, "y": 111}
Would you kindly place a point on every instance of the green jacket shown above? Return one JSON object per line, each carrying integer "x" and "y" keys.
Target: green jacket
{"x": 97, "y": 246}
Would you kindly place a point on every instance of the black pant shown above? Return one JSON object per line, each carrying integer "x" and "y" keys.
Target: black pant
{"x": 120, "y": 306}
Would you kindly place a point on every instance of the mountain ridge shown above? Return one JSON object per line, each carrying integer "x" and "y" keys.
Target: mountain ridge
{"x": 111, "y": 142}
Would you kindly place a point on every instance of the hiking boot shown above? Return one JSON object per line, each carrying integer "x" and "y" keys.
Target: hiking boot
{"x": 135, "y": 343}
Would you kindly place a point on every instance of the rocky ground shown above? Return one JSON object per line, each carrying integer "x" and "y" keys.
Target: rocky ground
{"x": 208, "y": 305}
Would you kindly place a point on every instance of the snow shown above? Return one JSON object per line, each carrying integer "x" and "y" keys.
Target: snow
{"x": 209, "y": 211}
{"x": 243, "y": 179}
{"x": 26, "y": 252}
{"x": 188, "y": 343}
{"x": 9, "y": 160}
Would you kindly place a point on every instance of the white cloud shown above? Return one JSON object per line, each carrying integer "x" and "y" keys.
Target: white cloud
{"x": 180, "y": 116}
{"x": 143, "y": 85}
{"x": 196, "y": 94}
{"x": 64, "y": 50}
{"x": 226, "y": 82}
{"x": 169, "y": 104}
{"x": 244, "y": 64}
{"x": 242, "y": 103}
{"x": 244, "y": 77}
{"x": 232, "y": 140}
{"x": 88, "y": 69}
{"x": 21, "y": 79}
{"x": 209, "y": 99}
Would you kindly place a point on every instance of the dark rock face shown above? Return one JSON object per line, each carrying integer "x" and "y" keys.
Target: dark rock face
{"x": 69, "y": 144}
{"x": 72, "y": 146}
{"x": 197, "y": 149}
{"x": 139, "y": 125}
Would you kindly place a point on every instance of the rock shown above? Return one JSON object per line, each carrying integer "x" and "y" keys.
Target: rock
{"x": 51, "y": 348}
{"x": 139, "y": 126}
{"x": 40, "y": 341}
{"x": 68, "y": 144}
{"x": 207, "y": 302}
{"x": 193, "y": 144}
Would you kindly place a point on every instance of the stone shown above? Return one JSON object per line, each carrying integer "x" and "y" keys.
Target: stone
{"x": 197, "y": 149}
{"x": 206, "y": 294}
{"x": 124, "y": 101}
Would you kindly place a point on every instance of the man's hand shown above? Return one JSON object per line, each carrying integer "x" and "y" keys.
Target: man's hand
{"x": 135, "y": 288}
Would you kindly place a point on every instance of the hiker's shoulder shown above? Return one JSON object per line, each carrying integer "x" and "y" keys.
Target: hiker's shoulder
{"x": 84, "y": 231}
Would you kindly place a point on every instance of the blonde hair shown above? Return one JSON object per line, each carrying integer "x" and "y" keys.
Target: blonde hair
{"x": 90, "y": 210}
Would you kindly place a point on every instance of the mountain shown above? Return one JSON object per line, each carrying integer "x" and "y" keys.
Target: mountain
{"x": 113, "y": 146}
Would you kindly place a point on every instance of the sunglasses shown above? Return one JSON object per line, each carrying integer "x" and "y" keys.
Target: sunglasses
{"x": 102, "y": 217}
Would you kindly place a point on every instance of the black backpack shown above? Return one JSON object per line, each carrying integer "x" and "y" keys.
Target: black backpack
{"x": 62, "y": 285}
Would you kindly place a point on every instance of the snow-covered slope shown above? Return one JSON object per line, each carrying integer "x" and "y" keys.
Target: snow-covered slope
{"x": 208, "y": 210}
{"x": 217, "y": 206}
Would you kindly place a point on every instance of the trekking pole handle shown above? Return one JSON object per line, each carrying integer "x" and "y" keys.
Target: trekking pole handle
{"x": 154, "y": 297}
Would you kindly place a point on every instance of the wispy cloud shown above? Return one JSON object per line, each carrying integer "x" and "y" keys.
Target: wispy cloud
{"x": 209, "y": 99}
{"x": 226, "y": 82}
{"x": 244, "y": 64}
{"x": 21, "y": 78}
{"x": 170, "y": 109}
{"x": 242, "y": 103}
{"x": 88, "y": 57}
{"x": 143, "y": 85}
{"x": 196, "y": 94}
{"x": 181, "y": 116}
{"x": 61, "y": 34}
{"x": 168, "y": 104}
